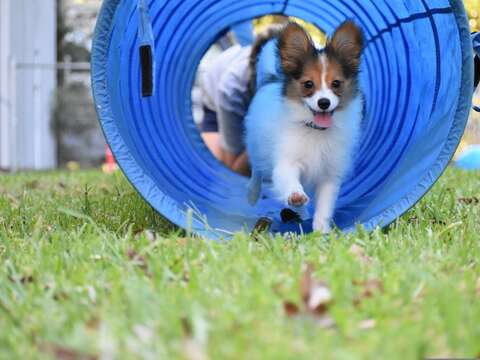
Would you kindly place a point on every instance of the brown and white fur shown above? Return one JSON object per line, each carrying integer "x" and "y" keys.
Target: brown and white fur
{"x": 313, "y": 147}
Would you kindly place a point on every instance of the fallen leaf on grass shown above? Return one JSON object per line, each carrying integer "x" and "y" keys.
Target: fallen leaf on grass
{"x": 14, "y": 203}
{"x": 138, "y": 260}
{"x": 61, "y": 295}
{"x": 149, "y": 234}
{"x": 30, "y": 185}
{"x": 370, "y": 288}
{"x": 359, "y": 253}
{"x": 64, "y": 353}
{"x": 469, "y": 200}
{"x": 191, "y": 347}
{"x": 291, "y": 309}
{"x": 93, "y": 323}
{"x": 316, "y": 297}
{"x": 24, "y": 280}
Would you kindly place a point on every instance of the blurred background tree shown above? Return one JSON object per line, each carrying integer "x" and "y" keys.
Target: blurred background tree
{"x": 472, "y": 133}
{"x": 473, "y": 9}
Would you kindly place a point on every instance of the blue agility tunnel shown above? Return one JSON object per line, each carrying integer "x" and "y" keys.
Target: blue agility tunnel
{"x": 417, "y": 79}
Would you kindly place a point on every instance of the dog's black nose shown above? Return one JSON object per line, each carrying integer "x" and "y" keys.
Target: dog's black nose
{"x": 324, "y": 103}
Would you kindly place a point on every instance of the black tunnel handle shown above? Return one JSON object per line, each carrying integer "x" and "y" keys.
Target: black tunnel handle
{"x": 146, "y": 63}
{"x": 146, "y": 49}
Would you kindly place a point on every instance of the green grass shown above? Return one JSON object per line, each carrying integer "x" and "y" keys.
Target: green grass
{"x": 80, "y": 277}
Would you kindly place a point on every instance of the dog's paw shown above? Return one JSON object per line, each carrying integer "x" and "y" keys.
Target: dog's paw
{"x": 322, "y": 226}
{"x": 297, "y": 199}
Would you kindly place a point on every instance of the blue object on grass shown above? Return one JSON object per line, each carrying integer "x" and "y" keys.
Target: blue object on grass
{"x": 469, "y": 159}
{"x": 417, "y": 78}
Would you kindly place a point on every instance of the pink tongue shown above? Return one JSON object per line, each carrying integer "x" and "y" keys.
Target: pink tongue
{"x": 323, "y": 120}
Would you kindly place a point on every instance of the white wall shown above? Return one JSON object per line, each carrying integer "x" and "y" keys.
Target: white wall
{"x": 5, "y": 104}
{"x": 27, "y": 83}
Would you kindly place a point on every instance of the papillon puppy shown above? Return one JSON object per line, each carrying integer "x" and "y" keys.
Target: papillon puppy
{"x": 310, "y": 148}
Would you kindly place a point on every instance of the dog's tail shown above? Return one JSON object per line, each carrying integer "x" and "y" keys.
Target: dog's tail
{"x": 272, "y": 32}
{"x": 254, "y": 188}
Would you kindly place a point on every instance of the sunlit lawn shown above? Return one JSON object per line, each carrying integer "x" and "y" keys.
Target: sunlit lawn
{"x": 88, "y": 270}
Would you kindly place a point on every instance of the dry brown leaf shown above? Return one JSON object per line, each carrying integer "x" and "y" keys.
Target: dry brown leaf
{"x": 24, "y": 279}
{"x": 370, "y": 288}
{"x": 316, "y": 299}
{"x": 359, "y": 253}
{"x": 186, "y": 327}
{"x": 150, "y": 235}
{"x": 93, "y": 323}
{"x": 61, "y": 295}
{"x": 138, "y": 260}
{"x": 306, "y": 283}
{"x": 13, "y": 200}
{"x": 469, "y": 201}
{"x": 34, "y": 184}
{"x": 63, "y": 353}
{"x": 291, "y": 309}
{"x": 316, "y": 295}
{"x": 192, "y": 349}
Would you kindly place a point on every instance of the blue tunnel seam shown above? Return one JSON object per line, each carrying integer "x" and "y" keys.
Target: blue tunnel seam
{"x": 422, "y": 15}
{"x": 438, "y": 78}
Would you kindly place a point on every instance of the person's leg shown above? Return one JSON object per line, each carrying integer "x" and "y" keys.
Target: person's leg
{"x": 212, "y": 140}
{"x": 216, "y": 144}
{"x": 241, "y": 164}
{"x": 210, "y": 134}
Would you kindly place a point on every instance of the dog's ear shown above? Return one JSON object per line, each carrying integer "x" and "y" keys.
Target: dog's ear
{"x": 347, "y": 45}
{"x": 295, "y": 47}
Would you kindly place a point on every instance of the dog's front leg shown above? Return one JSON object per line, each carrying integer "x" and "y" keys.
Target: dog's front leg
{"x": 326, "y": 197}
{"x": 286, "y": 183}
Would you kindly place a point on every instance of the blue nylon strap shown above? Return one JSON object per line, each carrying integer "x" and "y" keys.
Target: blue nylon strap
{"x": 145, "y": 31}
{"x": 147, "y": 49}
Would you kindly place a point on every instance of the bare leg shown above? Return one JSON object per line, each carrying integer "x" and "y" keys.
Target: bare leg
{"x": 286, "y": 182}
{"x": 212, "y": 140}
{"x": 241, "y": 164}
{"x": 326, "y": 197}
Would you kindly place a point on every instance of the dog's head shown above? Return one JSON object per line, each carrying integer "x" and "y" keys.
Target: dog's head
{"x": 325, "y": 80}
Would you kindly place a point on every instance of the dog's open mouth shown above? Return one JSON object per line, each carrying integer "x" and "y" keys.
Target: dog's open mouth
{"x": 321, "y": 120}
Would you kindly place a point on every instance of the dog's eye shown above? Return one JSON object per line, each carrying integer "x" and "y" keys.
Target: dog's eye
{"x": 308, "y": 84}
{"x": 336, "y": 84}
